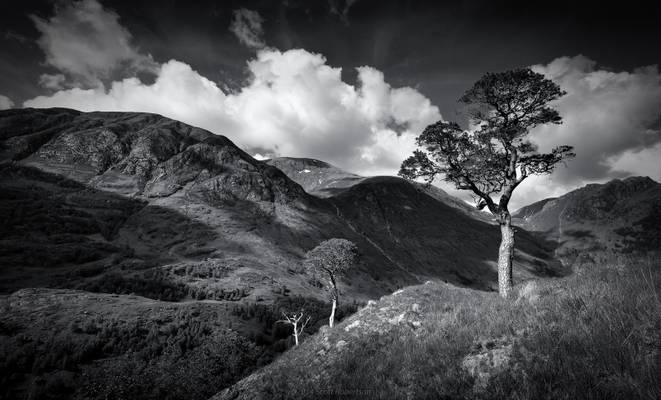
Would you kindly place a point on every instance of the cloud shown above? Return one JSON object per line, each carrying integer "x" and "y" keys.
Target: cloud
{"x": 87, "y": 42}
{"x": 613, "y": 120}
{"x": 643, "y": 162}
{"x": 294, "y": 105}
{"x": 247, "y": 26}
{"x": 53, "y": 81}
{"x": 5, "y": 103}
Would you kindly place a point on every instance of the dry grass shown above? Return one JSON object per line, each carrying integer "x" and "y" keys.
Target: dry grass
{"x": 593, "y": 335}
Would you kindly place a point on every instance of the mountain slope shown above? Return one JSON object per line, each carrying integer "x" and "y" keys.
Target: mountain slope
{"x": 324, "y": 180}
{"x": 316, "y": 177}
{"x": 154, "y": 193}
{"x": 621, "y": 215}
{"x": 157, "y": 216}
{"x": 178, "y": 194}
{"x": 432, "y": 239}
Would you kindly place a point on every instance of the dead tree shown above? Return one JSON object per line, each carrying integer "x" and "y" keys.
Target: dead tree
{"x": 295, "y": 321}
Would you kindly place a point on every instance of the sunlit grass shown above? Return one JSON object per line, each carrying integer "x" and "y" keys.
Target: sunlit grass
{"x": 593, "y": 335}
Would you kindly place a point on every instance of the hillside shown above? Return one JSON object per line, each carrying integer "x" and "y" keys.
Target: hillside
{"x": 325, "y": 180}
{"x": 109, "y": 192}
{"x": 555, "y": 340}
{"x": 621, "y": 215}
{"x": 316, "y": 177}
{"x": 121, "y": 193}
{"x": 129, "y": 217}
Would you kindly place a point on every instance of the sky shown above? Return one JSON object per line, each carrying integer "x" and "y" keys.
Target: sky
{"x": 350, "y": 82}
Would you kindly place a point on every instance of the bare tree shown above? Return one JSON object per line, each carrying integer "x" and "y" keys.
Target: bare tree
{"x": 332, "y": 257}
{"x": 294, "y": 320}
{"x": 495, "y": 157}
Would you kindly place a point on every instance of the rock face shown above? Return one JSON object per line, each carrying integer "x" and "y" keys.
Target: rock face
{"x": 621, "y": 215}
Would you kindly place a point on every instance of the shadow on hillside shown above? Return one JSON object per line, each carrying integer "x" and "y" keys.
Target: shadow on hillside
{"x": 433, "y": 239}
{"x": 57, "y": 232}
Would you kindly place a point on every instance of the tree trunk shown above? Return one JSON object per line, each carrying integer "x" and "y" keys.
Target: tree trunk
{"x": 331, "y": 319}
{"x": 296, "y": 334}
{"x": 505, "y": 255}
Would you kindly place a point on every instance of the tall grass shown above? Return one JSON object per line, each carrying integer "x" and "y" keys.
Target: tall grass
{"x": 593, "y": 335}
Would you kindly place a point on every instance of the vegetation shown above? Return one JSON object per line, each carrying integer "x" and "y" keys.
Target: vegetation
{"x": 297, "y": 323}
{"x": 107, "y": 357}
{"x": 275, "y": 336}
{"x": 169, "y": 351}
{"x": 594, "y": 335}
{"x": 496, "y": 157}
{"x": 332, "y": 258}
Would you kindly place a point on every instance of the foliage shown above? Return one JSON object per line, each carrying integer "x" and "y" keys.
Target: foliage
{"x": 497, "y": 156}
{"x": 183, "y": 354}
{"x": 332, "y": 257}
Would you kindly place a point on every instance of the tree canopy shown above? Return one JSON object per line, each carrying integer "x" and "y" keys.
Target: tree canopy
{"x": 333, "y": 256}
{"x": 496, "y": 156}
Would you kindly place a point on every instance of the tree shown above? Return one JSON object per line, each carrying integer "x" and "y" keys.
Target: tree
{"x": 294, "y": 320}
{"x": 492, "y": 159}
{"x": 332, "y": 257}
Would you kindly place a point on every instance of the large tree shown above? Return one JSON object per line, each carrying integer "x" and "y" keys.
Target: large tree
{"x": 332, "y": 258}
{"x": 494, "y": 157}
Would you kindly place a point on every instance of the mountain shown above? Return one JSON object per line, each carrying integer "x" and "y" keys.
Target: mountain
{"x": 86, "y": 195}
{"x": 316, "y": 177}
{"x": 126, "y": 235}
{"x": 322, "y": 179}
{"x": 618, "y": 216}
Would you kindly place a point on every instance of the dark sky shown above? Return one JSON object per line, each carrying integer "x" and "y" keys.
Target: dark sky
{"x": 438, "y": 47}
{"x": 267, "y": 73}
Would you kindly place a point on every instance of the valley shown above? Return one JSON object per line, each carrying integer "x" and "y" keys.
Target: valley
{"x": 136, "y": 249}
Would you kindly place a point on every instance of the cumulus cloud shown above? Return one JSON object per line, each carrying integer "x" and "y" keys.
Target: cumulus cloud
{"x": 87, "y": 42}
{"x": 5, "y": 103}
{"x": 644, "y": 162}
{"x": 294, "y": 105}
{"x": 611, "y": 118}
{"x": 247, "y": 26}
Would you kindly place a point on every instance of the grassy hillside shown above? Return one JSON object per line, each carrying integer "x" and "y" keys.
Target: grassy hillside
{"x": 429, "y": 238}
{"x": 593, "y": 335}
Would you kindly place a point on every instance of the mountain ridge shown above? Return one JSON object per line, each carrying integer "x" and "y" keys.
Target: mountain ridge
{"x": 621, "y": 215}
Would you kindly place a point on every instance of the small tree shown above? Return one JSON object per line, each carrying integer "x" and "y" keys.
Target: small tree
{"x": 332, "y": 257}
{"x": 295, "y": 321}
{"x": 495, "y": 157}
